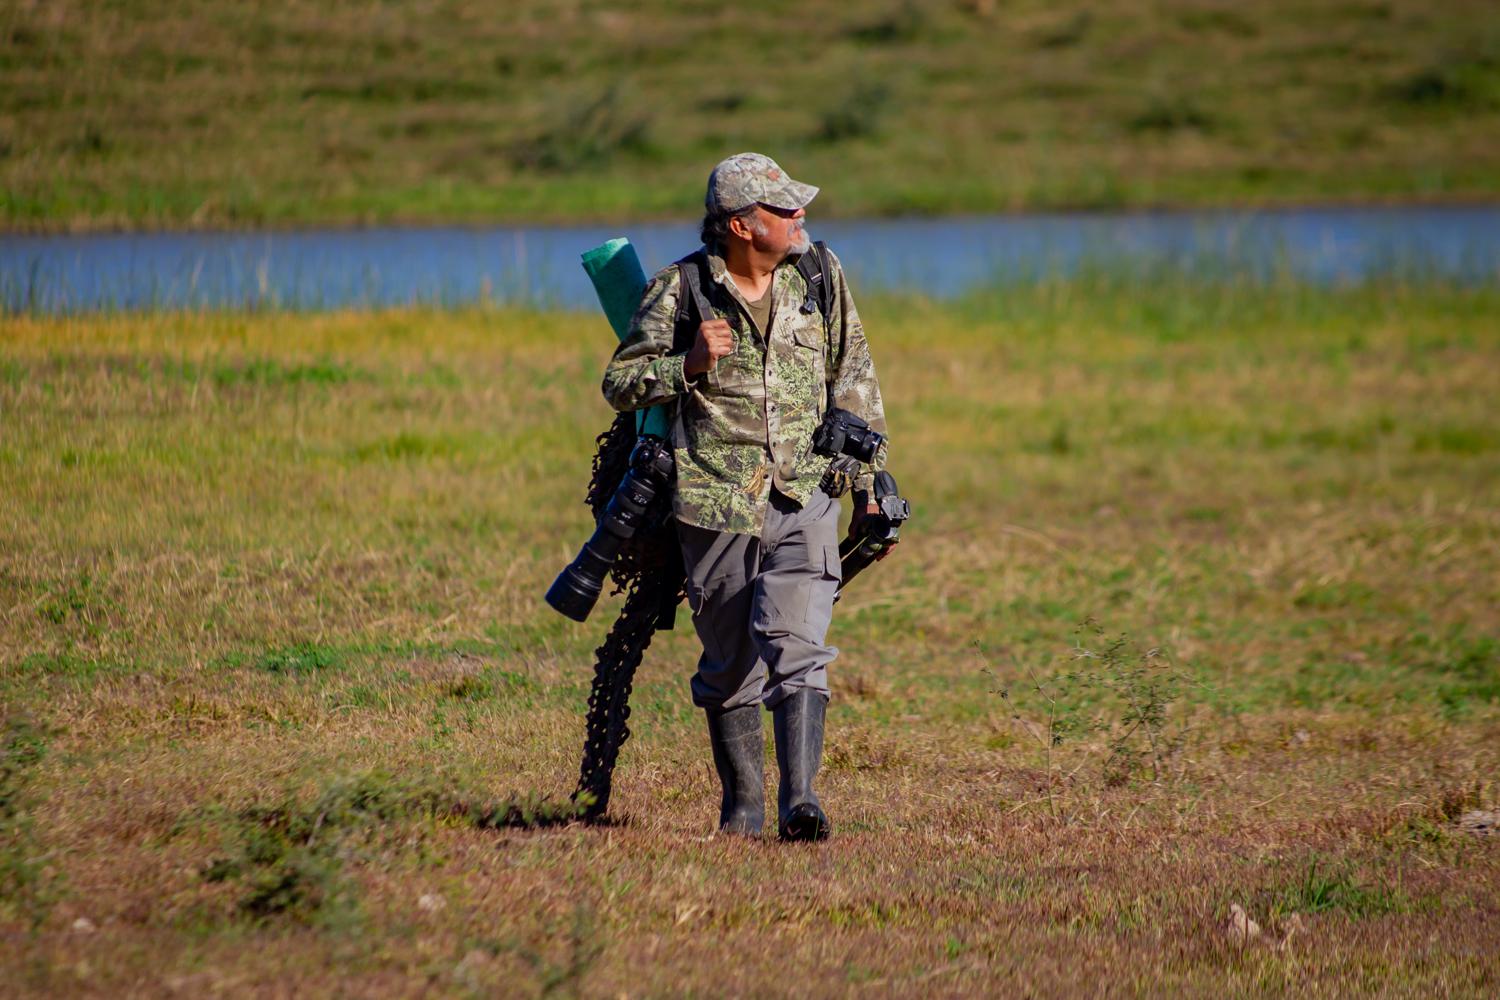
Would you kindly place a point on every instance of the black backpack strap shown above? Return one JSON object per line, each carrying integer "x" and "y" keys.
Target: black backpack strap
{"x": 827, "y": 301}
{"x": 816, "y": 271}
{"x": 692, "y": 302}
{"x": 813, "y": 266}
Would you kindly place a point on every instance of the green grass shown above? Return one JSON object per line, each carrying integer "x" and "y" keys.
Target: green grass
{"x": 141, "y": 114}
{"x": 271, "y": 601}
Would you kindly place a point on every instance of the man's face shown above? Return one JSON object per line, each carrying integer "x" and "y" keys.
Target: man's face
{"x": 779, "y": 232}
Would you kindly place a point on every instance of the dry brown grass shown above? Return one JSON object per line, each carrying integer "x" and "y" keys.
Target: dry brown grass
{"x": 245, "y": 560}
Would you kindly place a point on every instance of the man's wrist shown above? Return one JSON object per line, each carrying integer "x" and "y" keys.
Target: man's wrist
{"x": 670, "y": 371}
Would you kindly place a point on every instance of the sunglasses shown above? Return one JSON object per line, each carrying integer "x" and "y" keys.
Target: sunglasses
{"x": 785, "y": 213}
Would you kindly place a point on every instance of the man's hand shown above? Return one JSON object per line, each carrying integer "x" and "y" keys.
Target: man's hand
{"x": 858, "y": 520}
{"x": 715, "y": 341}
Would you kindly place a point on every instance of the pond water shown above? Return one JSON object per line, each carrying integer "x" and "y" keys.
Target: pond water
{"x": 318, "y": 269}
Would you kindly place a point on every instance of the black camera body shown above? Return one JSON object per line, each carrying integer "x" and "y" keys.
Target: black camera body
{"x": 639, "y": 499}
{"x": 842, "y": 433}
{"x": 847, "y": 440}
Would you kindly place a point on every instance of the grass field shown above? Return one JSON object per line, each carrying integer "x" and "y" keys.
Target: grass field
{"x": 273, "y": 660}
{"x": 166, "y": 113}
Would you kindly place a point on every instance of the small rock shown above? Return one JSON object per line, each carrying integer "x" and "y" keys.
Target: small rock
{"x": 1290, "y": 927}
{"x": 1301, "y": 737}
{"x": 430, "y": 903}
{"x": 83, "y": 925}
{"x": 471, "y": 967}
{"x": 1240, "y": 927}
{"x": 1480, "y": 822}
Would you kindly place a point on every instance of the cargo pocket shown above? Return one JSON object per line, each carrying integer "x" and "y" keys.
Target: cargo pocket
{"x": 719, "y": 619}
{"x": 820, "y": 593}
{"x": 804, "y": 607}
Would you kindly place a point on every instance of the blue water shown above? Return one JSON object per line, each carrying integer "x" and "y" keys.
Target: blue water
{"x": 535, "y": 264}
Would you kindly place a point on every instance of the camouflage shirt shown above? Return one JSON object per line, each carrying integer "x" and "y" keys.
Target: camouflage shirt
{"x": 747, "y": 425}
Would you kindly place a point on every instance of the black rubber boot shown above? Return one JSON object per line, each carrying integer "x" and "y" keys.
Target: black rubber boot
{"x": 739, "y": 745}
{"x": 799, "y": 753}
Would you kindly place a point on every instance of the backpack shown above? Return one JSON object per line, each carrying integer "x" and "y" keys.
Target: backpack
{"x": 693, "y": 306}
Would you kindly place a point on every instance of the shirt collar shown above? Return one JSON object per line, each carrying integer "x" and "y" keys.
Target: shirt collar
{"x": 719, "y": 271}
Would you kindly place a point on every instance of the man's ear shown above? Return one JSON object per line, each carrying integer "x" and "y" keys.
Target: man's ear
{"x": 739, "y": 227}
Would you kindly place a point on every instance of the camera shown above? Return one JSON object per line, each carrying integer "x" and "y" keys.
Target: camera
{"x": 842, "y": 433}
{"x": 633, "y": 506}
{"x": 878, "y": 533}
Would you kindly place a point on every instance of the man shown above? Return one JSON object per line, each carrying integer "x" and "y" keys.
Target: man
{"x": 759, "y": 536}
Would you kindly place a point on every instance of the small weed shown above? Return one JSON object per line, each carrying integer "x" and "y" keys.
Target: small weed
{"x": 269, "y": 372}
{"x": 582, "y": 946}
{"x": 409, "y": 445}
{"x": 1456, "y": 440}
{"x": 857, "y": 116}
{"x": 1067, "y": 32}
{"x": 1144, "y": 685}
{"x": 1218, "y": 20}
{"x": 1324, "y": 888}
{"x": 301, "y": 658}
{"x": 587, "y": 133}
{"x": 91, "y": 140}
{"x": 723, "y": 103}
{"x": 1331, "y": 596}
{"x": 1170, "y": 113}
{"x": 289, "y": 857}
{"x": 1470, "y": 82}
{"x": 1059, "y": 443}
{"x": 1463, "y": 670}
{"x": 79, "y": 601}
{"x": 903, "y": 23}
{"x": 1114, "y": 690}
{"x": 860, "y": 751}
{"x": 64, "y": 664}
{"x": 485, "y": 686}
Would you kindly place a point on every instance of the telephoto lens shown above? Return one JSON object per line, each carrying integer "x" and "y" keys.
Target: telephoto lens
{"x": 576, "y": 589}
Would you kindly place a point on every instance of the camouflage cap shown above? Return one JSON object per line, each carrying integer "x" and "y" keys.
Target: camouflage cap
{"x": 746, "y": 178}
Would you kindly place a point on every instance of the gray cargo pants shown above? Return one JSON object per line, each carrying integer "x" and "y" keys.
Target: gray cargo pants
{"x": 762, "y": 606}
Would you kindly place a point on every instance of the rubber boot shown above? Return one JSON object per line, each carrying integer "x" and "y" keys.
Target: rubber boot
{"x": 739, "y": 746}
{"x": 798, "y": 722}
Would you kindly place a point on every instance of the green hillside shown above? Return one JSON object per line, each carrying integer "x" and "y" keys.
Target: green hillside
{"x": 171, "y": 113}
